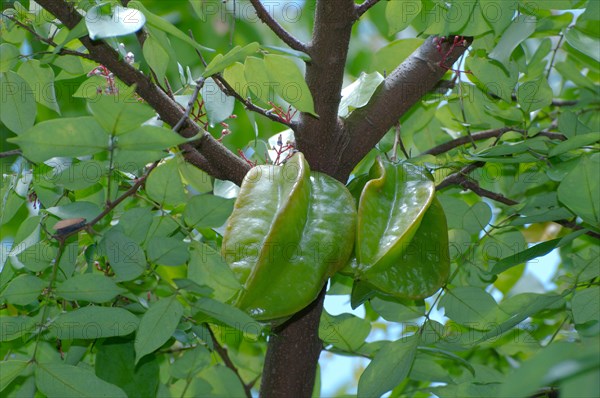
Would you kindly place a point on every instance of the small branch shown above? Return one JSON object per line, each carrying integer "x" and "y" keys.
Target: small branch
{"x": 551, "y": 65}
{"x": 50, "y": 42}
{"x": 364, "y": 7}
{"x": 130, "y": 192}
{"x": 14, "y": 152}
{"x": 484, "y": 135}
{"x": 190, "y": 105}
{"x": 463, "y": 180}
{"x": 228, "y": 90}
{"x": 283, "y": 34}
{"x": 225, "y": 356}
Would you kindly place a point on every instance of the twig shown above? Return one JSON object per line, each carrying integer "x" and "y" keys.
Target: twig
{"x": 283, "y": 34}
{"x": 364, "y": 7}
{"x": 462, "y": 179}
{"x": 14, "y": 152}
{"x": 225, "y": 356}
{"x": 131, "y": 191}
{"x": 190, "y": 104}
{"x": 551, "y": 65}
{"x": 228, "y": 90}
{"x": 484, "y": 135}
{"x": 50, "y": 42}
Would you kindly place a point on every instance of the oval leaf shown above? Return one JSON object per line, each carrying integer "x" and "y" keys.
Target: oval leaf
{"x": 107, "y": 20}
{"x": 157, "y": 326}
{"x": 66, "y": 381}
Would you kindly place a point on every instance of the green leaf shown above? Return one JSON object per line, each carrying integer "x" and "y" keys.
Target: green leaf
{"x": 470, "y": 306}
{"x": 164, "y": 185}
{"x": 41, "y": 80}
{"x": 586, "y": 305}
{"x": 199, "y": 180}
{"x": 397, "y": 312}
{"x": 575, "y": 143}
{"x": 494, "y": 78}
{"x": 534, "y": 94}
{"x": 14, "y": 327}
{"x": 167, "y": 251}
{"x": 115, "y": 363}
{"x": 226, "y": 314}
{"x": 496, "y": 15}
{"x": 389, "y": 368}
{"x": 256, "y": 84}
{"x": 346, "y": 332}
{"x": 157, "y": 326}
{"x": 208, "y": 268}
{"x": 39, "y": 256}
{"x": 110, "y": 20}
{"x": 580, "y": 189}
{"x": 521, "y": 28}
{"x": 94, "y": 322}
{"x": 285, "y": 51}
{"x": 156, "y": 56}
{"x": 86, "y": 210}
{"x": 387, "y": 58}
{"x": 68, "y": 137}
{"x": 237, "y": 54}
{"x": 161, "y": 24}
{"x": 150, "y": 138}
{"x": 17, "y": 103}
{"x": 191, "y": 363}
{"x": 120, "y": 114}
{"x": 556, "y": 363}
{"x": 10, "y": 370}
{"x": 521, "y": 307}
{"x": 583, "y": 43}
{"x": 541, "y": 249}
{"x": 477, "y": 218}
{"x": 9, "y": 56}
{"x": 207, "y": 211}
{"x": 81, "y": 175}
{"x": 94, "y": 288}
{"x": 23, "y": 290}
{"x": 57, "y": 380}
{"x": 289, "y": 83}
{"x": 218, "y": 105}
{"x": 400, "y": 14}
{"x": 358, "y": 94}
{"x": 223, "y": 381}
{"x": 126, "y": 257}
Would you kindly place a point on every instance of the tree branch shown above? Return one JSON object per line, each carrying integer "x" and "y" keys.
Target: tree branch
{"x": 403, "y": 88}
{"x": 13, "y": 152}
{"x": 283, "y": 34}
{"x": 320, "y": 139}
{"x": 228, "y": 362}
{"x": 364, "y": 7}
{"x": 462, "y": 179}
{"x": 484, "y": 135}
{"x": 231, "y": 166}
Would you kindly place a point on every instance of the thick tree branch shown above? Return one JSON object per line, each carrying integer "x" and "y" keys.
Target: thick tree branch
{"x": 231, "y": 166}
{"x": 292, "y": 355}
{"x": 364, "y": 7}
{"x": 283, "y": 34}
{"x": 320, "y": 139}
{"x": 403, "y": 88}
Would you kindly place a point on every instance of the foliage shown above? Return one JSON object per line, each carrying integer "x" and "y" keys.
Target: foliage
{"x": 111, "y": 277}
